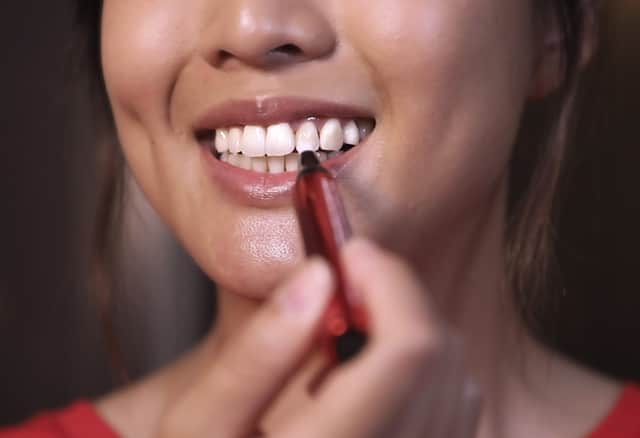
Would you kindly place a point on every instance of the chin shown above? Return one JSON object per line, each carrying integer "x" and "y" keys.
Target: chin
{"x": 252, "y": 279}
{"x": 256, "y": 256}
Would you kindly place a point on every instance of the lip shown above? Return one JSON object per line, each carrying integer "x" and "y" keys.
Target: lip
{"x": 264, "y": 111}
{"x": 264, "y": 190}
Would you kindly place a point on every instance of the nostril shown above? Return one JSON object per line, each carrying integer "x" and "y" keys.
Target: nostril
{"x": 223, "y": 56}
{"x": 282, "y": 54}
{"x": 287, "y": 49}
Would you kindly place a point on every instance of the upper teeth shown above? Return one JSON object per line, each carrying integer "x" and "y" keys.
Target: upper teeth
{"x": 280, "y": 140}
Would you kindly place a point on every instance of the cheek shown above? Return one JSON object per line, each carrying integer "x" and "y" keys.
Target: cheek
{"x": 144, "y": 44}
{"x": 455, "y": 76}
{"x": 418, "y": 39}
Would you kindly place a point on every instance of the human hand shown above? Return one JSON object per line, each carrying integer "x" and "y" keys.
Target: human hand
{"x": 409, "y": 381}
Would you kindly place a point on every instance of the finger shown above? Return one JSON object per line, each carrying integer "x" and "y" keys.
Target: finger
{"x": 254, "y": 365}
{"x": 367, "y": 393}
{"x": 391, "y": 292}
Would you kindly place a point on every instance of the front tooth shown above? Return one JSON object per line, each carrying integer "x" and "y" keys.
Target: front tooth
{"x": 259, "y": 164}
{"x": 222, "y": 141}
{"x": 351, "y": 133}
{"x": 253, "y": 139}
{"x": 244, "y": 162}
{"x": 234, "y": 160}
{"x": 307, "y": 137}
{"x": 291, "y": 163}
{"x": 275, "y": 164}
{"x": 280, "y": 140}
{"x": 322, "y": 156}
{"x": 235, "y": 137}
{"x": 224, "y": 157}
{"x": 365, "y": 127}
{"x": 331, "y": 136}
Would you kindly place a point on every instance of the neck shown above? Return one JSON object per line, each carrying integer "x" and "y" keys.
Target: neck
{"x": 468, "y": 282}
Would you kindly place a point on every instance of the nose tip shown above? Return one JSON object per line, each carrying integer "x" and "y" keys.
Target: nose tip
{"x": 270, "y": 34}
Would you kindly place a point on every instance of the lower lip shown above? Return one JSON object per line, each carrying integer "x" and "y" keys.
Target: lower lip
{"x": 264, "y": 190}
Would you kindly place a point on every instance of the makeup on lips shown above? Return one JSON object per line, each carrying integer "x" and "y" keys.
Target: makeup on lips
{"x": 276, "y": 148}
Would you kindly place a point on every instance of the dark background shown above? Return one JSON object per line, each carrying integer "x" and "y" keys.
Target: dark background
{"x": 51, "y": 345}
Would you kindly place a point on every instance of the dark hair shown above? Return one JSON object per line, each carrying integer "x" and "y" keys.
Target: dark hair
{"x": 535, "y": 173}
{"x": 110, "y": 199}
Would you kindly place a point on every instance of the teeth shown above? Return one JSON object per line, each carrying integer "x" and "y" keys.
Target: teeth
{"x": 259, "y": 164}
{"x": 280, "y": 140}
{"x": 235, "y": 137}
{"x": 291, "y": 163}
{"x": 253, "y": 141}
{"x": 351, "y": 133}
{"x": 277, "y": 149}
{"x": 331, "y": 135}
{"x": 234, "y": 160}
{"x": 245, "y": 162}
{"x": 222, "y": 141}
{"x": 307, "y": 137}
{"x": 275, "y": 164}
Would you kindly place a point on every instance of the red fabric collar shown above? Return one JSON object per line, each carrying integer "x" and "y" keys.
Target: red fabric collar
{"x": 81, "y": 420}
{"x": 623, "y": 420}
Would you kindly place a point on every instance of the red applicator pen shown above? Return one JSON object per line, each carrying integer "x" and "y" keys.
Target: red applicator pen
{"x": 325, "y": 229}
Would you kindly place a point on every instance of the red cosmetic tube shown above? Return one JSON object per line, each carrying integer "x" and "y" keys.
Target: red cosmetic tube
{"x": 325, "y": 229}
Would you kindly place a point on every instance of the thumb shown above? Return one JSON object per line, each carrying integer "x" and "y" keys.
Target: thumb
{"x": 255, "y": 364}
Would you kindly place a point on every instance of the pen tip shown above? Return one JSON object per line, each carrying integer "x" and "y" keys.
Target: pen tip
{"x": 309, "y": 159}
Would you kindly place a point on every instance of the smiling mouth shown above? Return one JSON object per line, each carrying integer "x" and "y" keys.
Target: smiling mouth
{"x": 276, "y": 148}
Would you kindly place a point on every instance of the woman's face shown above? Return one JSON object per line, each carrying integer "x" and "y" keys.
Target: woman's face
{"x": 444, "y": 80}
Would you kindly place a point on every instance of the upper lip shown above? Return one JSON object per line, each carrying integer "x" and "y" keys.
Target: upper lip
{"x": 271, "y": 110}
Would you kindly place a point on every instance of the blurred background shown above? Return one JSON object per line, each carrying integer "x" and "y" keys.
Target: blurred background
{"x": 51, "y": 342}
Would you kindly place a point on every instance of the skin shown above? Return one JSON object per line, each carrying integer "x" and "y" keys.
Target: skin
{"x": 447, "y": 82}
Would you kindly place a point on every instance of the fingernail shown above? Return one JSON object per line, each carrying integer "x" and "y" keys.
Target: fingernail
{"x": 308, "y": 292}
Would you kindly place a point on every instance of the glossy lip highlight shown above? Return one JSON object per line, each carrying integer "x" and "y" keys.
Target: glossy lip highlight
{"x": 263, "y": 189}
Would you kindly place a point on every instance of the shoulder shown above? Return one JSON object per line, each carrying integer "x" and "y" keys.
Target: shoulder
{"x": 79, "y": 420}
{"x": 623, "y": 420}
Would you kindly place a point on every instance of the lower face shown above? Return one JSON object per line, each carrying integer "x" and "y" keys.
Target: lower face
{"x": 442, "y": 83}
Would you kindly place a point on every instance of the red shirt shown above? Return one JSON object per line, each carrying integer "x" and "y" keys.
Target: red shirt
{"x": 623, "y": 420}
{"x": 80, "y": 420}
